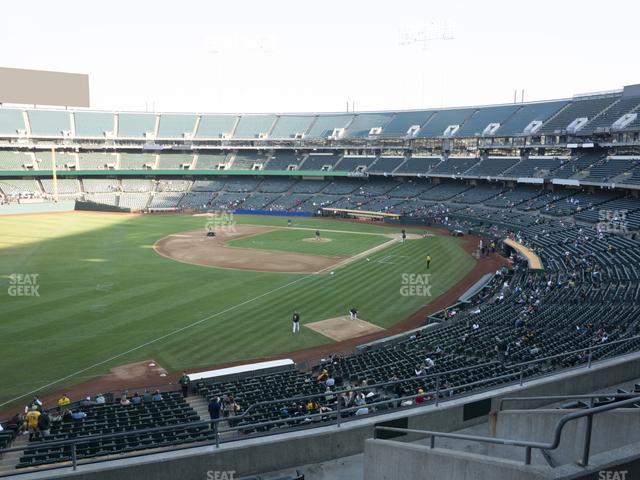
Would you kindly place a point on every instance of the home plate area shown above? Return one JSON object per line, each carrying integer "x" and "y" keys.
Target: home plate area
{"x": 342, "y": 328}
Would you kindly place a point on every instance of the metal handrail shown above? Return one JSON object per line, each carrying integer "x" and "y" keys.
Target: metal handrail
{"x": 572, "y": 352}
{"x": 214, "y": 424}
{"x": 565, "y": 397}
{"x": 526, "y": 444}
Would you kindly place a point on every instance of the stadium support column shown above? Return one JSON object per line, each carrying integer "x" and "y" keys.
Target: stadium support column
{"x": 55, "y": 176}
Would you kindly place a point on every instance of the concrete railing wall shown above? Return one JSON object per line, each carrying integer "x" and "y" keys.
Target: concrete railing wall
{"x": 610, "y": 430}
{"x": 385, "y": 460}
{"x": 45, "y": 207}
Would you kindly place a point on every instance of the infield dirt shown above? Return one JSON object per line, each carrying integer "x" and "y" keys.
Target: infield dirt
{"x": 196, "y": 248}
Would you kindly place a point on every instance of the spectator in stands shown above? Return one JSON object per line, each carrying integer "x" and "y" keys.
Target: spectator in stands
{"x": 325, "y": 409}
{"x": 146, "y": 397}
{"x": 419, "y": 370}
{"x": 136, "y": 399}
{"x": 420, "y": 397}
{"x": 214, "y": 408}
{"x": 15, "y": 423}
{"x": 234, "y": 408}
{"x": 501, "y": 349}
{"x": 226, "y": 405}
{"x": 100, "y": 400}
{"x": 63, "y": 401}
{"x": 32, "y": 421}
{"x": 312, "y": 406}
{"x": 330, "y": 382}
{"x": 44, "y": 425}
{"x": 328, "y": 397}
{"x": 34, "y": 403}
{"x": 185, "y": 381}
{"x": 428, "y": 364}
{"x": 86, "y": 402}
{"x": 124, "y": 401}
{"x": 157, "y": 397}
{"x": 298, "y": 410}
{"x": 323, "y": 375}
{"x": 446, "y": 388}
{"x": 78, "y": 415}
{"x": 362, "y": 411}
{"x": 575, "y": 359}
{"x": 601, "y": 335}
{"x": 359, "y": 400}
{"x": 348, "y": 398}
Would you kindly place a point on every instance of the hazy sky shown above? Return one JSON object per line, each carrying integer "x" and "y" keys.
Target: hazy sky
{"x": 285, "y": 56}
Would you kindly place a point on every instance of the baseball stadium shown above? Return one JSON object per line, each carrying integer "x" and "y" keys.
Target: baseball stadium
{"x": 447, "y": 292}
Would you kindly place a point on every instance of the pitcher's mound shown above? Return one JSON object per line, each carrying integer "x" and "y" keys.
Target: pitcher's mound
{"x": 341, "y": 328}
{"x": 316, "y": 240}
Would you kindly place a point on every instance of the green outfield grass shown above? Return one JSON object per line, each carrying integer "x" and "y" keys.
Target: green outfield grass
{"x": 293, "y": 240}
{"x": 106, "y": 298}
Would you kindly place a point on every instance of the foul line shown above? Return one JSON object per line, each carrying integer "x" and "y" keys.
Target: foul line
{"x": 358, "y": 256}
{"x": 150, "y": 342}
{"x": 379, "y": 234}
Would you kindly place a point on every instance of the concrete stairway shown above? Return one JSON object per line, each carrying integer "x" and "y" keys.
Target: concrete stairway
{"x": 200, "y": 405}
{"x": 8, "y": 461}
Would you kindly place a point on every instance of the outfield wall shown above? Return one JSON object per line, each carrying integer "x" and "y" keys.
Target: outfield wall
{"x": 18, "y": 208}
{"x": 278, "y": 213}
{"x": 98, "y": 207}
{"x": 278, "y": 452}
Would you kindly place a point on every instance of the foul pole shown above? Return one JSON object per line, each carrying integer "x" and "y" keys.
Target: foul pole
{"x": 55, "y": 176}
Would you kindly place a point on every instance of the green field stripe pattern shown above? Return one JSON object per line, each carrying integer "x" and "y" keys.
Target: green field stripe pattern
{"x": 103, "y": 291}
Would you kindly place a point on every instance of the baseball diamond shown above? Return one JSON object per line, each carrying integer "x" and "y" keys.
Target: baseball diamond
{"x": 199, "y": 278}
{"x": 338, "y": 241}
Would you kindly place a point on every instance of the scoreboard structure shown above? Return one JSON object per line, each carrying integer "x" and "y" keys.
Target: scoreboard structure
{"x": 40, "y": 87}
